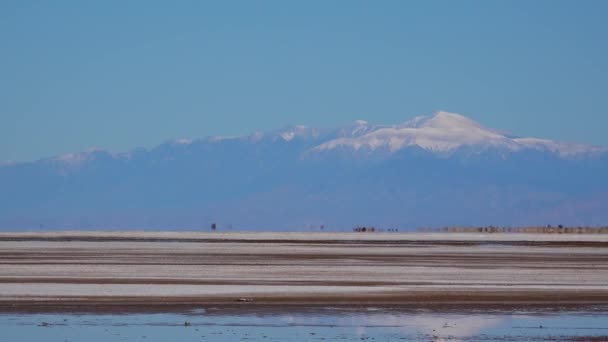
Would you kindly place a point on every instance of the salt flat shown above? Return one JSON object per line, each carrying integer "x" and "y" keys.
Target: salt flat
{"x": 157, "y": 268}
{"x": 301, "y": 236}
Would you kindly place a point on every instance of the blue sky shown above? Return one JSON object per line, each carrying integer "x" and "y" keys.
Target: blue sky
{"x": 122, "y": 74}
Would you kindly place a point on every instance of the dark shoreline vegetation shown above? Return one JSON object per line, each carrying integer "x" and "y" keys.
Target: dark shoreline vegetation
{"x": 549, "y": 229}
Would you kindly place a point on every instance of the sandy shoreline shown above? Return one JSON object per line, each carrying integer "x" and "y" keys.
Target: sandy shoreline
{"x": 150, "y": 269}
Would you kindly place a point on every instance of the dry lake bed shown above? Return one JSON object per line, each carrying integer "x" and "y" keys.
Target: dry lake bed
{"x": 318, "y": 286}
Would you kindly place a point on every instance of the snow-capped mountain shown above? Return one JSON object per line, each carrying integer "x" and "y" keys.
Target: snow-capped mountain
{"x": 442, "y": 169}
{"x": 440, "y": 133}
{"x": 445, "y": 132}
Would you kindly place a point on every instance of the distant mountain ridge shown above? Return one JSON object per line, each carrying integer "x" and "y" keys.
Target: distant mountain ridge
{"x": 437, "y": 170}
{"x": 439, "y": 133}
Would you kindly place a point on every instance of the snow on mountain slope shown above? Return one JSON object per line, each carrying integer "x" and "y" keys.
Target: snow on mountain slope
{"x": 313, "y": 134}
{"x": 356, "y": 129}
{"x": 83, "y": 157}
{"x": 445, "y": 132}
{"x": 286, "y": 134}
{"x": 440, "y": 133}
{"x": 561, "y": 148}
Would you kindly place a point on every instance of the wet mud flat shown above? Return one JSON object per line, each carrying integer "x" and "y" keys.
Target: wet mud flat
{"x": 142, "y": 269}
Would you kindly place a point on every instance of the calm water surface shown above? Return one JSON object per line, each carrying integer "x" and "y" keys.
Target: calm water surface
{"x": 322, "y": 324}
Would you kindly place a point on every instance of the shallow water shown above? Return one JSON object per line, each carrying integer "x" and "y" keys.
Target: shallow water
{"x": 320, "y": 324}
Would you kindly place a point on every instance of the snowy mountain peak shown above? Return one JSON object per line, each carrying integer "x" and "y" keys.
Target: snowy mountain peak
{"x": 444, "y": 120}
{"x": 445, "y": 132}
{"x": 441, "y": 132}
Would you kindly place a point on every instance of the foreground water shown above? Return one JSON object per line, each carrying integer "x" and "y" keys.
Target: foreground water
{"x": 319, "y": 324}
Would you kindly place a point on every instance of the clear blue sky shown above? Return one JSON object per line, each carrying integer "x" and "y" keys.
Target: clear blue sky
{"x": 123, "y": 74}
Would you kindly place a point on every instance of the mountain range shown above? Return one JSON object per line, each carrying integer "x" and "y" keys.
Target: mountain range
{"x": 439, "y": 170}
